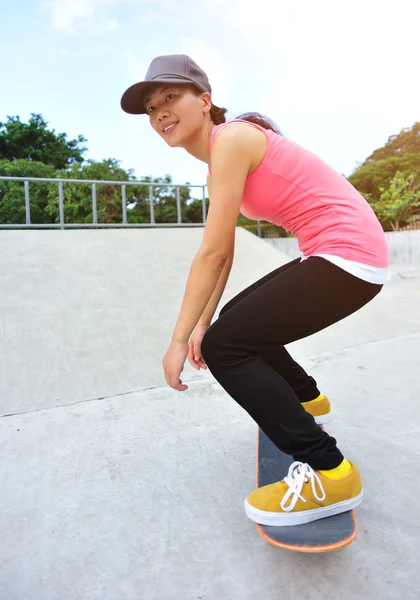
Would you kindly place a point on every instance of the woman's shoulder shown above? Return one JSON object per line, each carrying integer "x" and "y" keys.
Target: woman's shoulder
{"x": 237, "y": 125}
{"x": 239, "y": 137}
{"x": 237, "y": 130}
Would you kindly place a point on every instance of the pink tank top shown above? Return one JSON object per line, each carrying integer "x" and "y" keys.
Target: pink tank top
{"x": 295, "y": 189}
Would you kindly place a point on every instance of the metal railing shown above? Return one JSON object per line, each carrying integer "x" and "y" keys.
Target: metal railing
{"x": 95, "y": 224}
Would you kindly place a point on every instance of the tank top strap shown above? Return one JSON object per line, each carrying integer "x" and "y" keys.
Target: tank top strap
{"x": 217, "y": 128}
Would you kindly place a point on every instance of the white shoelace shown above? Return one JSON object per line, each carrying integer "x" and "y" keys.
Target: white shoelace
{"x": 300, "y": 473}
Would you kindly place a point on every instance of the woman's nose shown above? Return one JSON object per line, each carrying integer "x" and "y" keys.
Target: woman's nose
{"x": 162, "y": 112}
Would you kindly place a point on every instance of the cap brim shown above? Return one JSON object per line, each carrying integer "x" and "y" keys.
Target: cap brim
{"x": 132, "y": 101}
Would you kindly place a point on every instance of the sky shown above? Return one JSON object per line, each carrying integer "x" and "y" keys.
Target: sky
{"x": 338, "y": 76}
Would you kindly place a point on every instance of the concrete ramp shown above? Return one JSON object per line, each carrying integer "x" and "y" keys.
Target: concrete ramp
{"x": 116, "y": 487}
{"x": 88, "y": 314}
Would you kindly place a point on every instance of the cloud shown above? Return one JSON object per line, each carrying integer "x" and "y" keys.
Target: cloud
{"x": 333, "y": 75}
{"x": 150, "y": 18}
{"x": 322, "y": 54}
{"x": 68, "y": 14}
{"x": 107, "y": 25}
{"x": 73, "y": 15}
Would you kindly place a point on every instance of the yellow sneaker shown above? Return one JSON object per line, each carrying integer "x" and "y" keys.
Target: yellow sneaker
{"x": 320, "y": 409}
{"x": 304, "y": 495}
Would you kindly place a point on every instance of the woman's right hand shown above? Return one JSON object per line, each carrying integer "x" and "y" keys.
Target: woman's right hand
{"x": 194, "y": 354}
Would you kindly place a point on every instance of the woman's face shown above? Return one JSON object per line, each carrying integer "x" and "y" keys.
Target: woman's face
{"x": 176, "y": 113}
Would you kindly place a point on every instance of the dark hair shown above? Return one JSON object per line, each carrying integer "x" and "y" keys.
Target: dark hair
{"x": 218, "y": 115}
{"x": 261, "y": 120}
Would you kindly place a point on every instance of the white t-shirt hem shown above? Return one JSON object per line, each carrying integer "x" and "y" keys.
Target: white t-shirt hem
{"x": 378, "y": 275}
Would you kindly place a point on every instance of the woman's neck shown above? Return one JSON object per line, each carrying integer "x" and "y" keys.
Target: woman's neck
{"x": 200, "y": 146}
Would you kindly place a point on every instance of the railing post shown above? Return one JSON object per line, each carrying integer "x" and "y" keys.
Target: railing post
{"x": 124, "y": 204}
{"x": 94, "y": 209}
{"x": 61, "y": 203}
{"x": 204, "y": 205}
{"x": 152, "y": 206}
{"x": 178, "y": 205}
{"x": 27, "y": 205}
{"x": 61, "y": 217}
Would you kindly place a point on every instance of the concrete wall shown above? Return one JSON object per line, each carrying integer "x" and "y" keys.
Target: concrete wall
{"x": 404, "y": 246}
{"x": 288, "y": 246}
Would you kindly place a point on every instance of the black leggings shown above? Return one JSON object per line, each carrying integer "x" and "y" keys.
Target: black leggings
{"x": 244, "y": 350}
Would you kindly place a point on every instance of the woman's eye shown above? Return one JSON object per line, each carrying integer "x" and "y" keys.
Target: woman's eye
{"x": 168, "y": 97}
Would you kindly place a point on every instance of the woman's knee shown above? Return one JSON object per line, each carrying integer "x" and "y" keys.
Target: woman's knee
{"x": 226, "y": 308}
{"x": 208, "y": 343}
{"x": 212, "y": 341}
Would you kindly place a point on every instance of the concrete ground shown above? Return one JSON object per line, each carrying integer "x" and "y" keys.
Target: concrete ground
{"x": 116, "y": 487}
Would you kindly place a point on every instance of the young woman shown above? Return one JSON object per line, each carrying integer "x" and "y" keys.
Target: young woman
{"x": 254, "y": 170}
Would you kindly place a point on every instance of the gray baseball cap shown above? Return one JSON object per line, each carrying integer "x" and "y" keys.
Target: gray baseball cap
{"x": 172, "y": 68}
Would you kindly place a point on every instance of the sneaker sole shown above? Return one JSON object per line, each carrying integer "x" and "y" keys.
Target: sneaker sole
{"x": 298, "y": 518}
{"x": 323, "y": 419}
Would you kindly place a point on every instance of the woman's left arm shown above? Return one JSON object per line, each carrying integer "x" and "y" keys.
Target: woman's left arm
{"x": 203, "y": 277}
{"x": 230, "y": 166}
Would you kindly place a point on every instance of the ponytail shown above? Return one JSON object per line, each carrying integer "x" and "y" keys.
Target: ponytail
{"x": 218, "y": 115}
{"x": 258, "y": 119}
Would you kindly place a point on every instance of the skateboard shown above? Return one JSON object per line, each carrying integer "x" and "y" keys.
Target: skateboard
{"x": 323, "y": 535}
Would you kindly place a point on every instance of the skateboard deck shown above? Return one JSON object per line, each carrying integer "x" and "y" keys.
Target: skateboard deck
{"x": 323, "y": 535}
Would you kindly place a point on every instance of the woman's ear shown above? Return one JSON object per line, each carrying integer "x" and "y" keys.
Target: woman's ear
{"x": 206, "y": 98}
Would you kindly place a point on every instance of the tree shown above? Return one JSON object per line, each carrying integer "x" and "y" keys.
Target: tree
{"x": 32, "y": 150}
{"x": 406, "y": 142}
{"x": 12, "y": 193}
{"x": 399, "y": 202}
{"x": 33, "y": 141}
{"x": 371, "y": 176}
{"x": 77, "y": 197}
{"x": 400, "y": 153}
{"x": 164, "y": 201}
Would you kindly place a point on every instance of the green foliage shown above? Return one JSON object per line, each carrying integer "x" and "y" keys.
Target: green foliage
{"x": 406, "y": 142}
{"x": 165, "y": 206}
{"x": 401, "y": 153}
{"x": 32, "y": 150}
{"x": 399, "y": 202}
{"x": 386, "y": 178}
{"x": 266, "y": 229}
{"x": 77, "y": 197}
{"x": 372, "y": 176}
{"x": 33, "y": 141}
{"x": 12, "y": 193}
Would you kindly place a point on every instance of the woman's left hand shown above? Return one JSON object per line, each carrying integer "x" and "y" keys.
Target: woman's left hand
{"x": 173, "y": 365}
